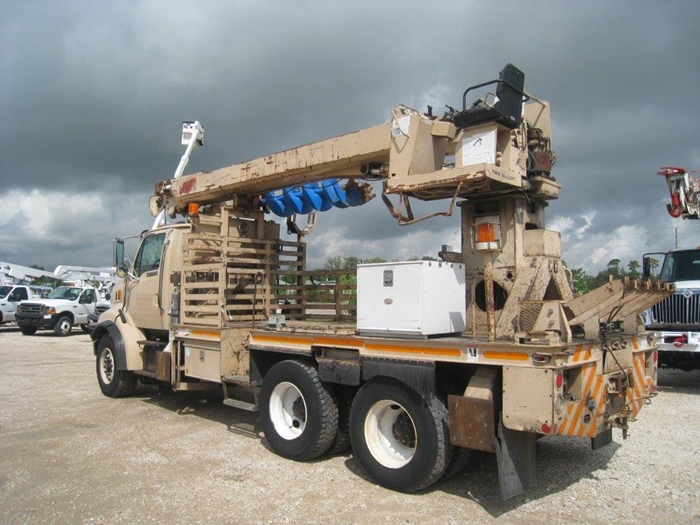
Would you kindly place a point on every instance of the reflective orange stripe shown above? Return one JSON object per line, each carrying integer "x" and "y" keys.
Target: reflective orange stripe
{"x": 513, "y": 356}
{"x": 333, "y": 341}
{"x": 600, "y": 401}
{"x": 414, "y": 350}
{"x": 278, "y": 339}
{"x": 206, "y": 333}
{"x": 581, "y": 354}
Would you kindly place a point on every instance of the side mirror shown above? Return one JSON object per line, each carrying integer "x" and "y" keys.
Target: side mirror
{"x": 118, "y": 252}
{"x": 122, "y": 270}
{"x": 646, "y": 267}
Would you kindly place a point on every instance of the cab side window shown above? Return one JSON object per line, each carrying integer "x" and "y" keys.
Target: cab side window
{"x": 88, "y": 297}
{"x": 149, "y": 254}
{"x": 19, "y": 294}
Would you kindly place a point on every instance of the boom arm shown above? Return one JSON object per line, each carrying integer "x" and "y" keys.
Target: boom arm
{"x": 485, "y": 149}
{"x": 412, "y": 154}
{"x": 684, "y": 190}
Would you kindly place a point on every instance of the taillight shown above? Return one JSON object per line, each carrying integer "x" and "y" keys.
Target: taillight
{"x": 559, "y": 380}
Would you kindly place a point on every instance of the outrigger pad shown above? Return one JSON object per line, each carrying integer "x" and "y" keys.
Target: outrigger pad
{"x": 515, "y": 454}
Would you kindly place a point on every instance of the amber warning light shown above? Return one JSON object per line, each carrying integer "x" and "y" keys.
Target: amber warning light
{"x": 487, "y": 236}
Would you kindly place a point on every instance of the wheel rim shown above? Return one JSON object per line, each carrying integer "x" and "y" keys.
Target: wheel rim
{"x": 288, "y": 411}
{"x": 64, "y": 326}
{"x": 390, "y": 434}
{"x": 107, "y": 366}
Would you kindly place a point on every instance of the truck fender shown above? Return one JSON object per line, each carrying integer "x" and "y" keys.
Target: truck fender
{"x": 125, "y": 336}
{"x": 420, "y": 377}
{"x": 110, "y": 329}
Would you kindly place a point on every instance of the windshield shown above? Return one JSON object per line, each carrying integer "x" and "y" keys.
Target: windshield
{"x": 681, "y": 266}
{"x": 4, "y": 290}
{"x": 65, "y": 292}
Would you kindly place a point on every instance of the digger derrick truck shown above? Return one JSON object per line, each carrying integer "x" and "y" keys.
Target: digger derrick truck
{"x": 420, "y": 362}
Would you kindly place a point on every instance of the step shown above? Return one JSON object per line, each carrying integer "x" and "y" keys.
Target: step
{"x": 243, "y": 405}
{"x": 157, "y": 344}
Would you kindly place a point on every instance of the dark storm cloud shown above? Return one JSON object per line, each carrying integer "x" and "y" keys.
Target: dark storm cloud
{"x": 92, "y": 96}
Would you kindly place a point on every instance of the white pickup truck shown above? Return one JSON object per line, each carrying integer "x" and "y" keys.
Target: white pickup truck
{"x": 63, "y": 308}
{"x": 10, "y": 296}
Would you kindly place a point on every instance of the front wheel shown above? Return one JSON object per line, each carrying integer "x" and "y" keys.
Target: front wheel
{"x": 299, "y": 413}
{"x": 399, "y": 437}
{"x": 63, "y": 326}
{"x": 27, "y": 330}
{"x": 113, "y": 382}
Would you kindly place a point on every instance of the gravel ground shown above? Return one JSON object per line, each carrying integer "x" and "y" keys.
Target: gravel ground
{"x": 70, "y": 455}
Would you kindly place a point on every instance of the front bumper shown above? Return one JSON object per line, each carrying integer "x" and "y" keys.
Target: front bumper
{"x": 38, "y": 321}
{"x": 678, "y": 341}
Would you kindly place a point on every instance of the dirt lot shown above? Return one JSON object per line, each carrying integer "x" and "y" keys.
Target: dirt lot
{"x": 70, "y": 455}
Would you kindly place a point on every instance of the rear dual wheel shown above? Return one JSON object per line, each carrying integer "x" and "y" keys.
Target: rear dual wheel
{"x": 299, "y": 413}
{"x": 400, "y": 437}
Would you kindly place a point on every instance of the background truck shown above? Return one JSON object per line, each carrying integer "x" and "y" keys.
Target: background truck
{"x": 63, "y": 308}
{"x": 413, "y": 365}
{"x": 676, "y": 319}
{"x": 10, "y": 296}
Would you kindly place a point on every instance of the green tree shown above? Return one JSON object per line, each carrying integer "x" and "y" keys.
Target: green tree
{"x": 633, "y": 267}
{"x": 653, "y": 266}
{"x": 46, "y": 281}
{"x": 614, "y": 267}
{"x": 580, "y": 280}
{"x": 333, "y": 263}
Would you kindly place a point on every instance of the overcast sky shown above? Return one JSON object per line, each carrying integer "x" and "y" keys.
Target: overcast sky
{"x": 92, "y": 96}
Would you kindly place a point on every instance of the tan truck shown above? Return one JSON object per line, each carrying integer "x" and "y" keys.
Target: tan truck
{"x": 413, "y": 364}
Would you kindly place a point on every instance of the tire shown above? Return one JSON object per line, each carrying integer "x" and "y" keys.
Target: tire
{"x": 63, "y": 326}
{"x": 113, "y": 382}
{"x": 85, "y": 328}
{"x": 460, "y": 458}
{"x": 400, "y": 438}
{"x": 299, "y": 413}
{"x": 28, "y": 330}
{"x": 346, "y": 395}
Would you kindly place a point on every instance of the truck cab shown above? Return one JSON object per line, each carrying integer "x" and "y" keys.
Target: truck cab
{"x": 10, "y": 296}
{"x": 63, "y": 308}
{"x": 676, "y": 319}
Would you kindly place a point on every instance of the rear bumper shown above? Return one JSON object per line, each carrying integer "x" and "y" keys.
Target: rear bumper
{"x": 589, "y": 393}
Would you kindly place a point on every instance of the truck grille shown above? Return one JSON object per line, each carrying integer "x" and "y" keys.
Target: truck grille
{"x": 681, "y": 308}
{"x": 30, "y": 308}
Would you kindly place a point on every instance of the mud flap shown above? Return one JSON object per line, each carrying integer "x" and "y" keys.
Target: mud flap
{"x": 602, "y": 439}
{"x": 515, "y": 454}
